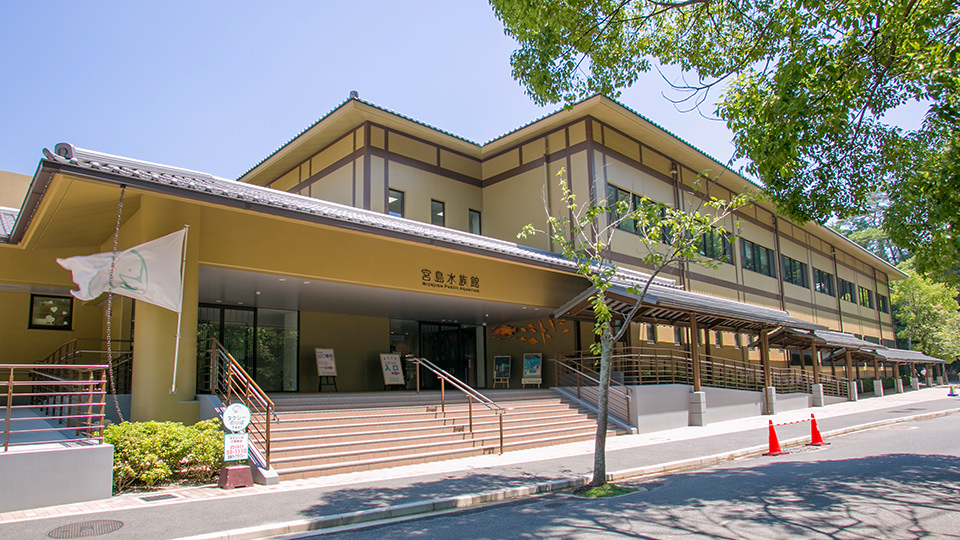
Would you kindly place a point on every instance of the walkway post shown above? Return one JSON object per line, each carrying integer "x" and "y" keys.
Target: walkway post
{"x": 694, "y": 352}
{"x": 815, "y": 359}
{"x": 851, "y": 383}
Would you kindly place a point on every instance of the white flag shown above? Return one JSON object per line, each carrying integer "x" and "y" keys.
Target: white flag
{"x": 148, "y": 272}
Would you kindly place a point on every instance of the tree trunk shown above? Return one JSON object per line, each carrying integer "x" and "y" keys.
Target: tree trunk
{"x": 603, "y": 397}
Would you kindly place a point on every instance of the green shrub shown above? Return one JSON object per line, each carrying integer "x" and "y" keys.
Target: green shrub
{"x": 147, "y": 453}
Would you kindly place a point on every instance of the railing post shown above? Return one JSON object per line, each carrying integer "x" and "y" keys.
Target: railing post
{"x": 267, "y": 431}
{"x": 6, "y": 424}
{"x": 443, "y": 405}
{"x": 470, "y": 411}
{"x": 500, "y": 415}
{"x": 418, "y": 377}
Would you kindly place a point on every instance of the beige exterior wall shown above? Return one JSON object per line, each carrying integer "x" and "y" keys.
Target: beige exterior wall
{"x": 356, "y": 342}
{"x": 13, "y": 187}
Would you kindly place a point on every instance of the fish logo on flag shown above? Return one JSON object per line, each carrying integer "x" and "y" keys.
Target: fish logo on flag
{"x": 148, "y": 272}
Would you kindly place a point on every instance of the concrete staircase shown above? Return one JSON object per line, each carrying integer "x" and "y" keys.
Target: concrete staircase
{"x": 329, "y": 434}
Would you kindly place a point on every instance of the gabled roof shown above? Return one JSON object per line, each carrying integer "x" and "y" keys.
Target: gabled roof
{"x": 795, "y": 338}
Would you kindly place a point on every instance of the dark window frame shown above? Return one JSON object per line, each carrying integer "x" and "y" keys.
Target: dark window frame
{"x": 31, "y": 316}
{"x": 883, "y": 303}
{"x": 402, "y": 198}
{"x": 470, "y": 213}
{"x": 846, "y": 290}
{"x": 753, "y": 256}
{"x": 442, "y": 213}
{"x": 823, "y": 282}
{"x": 865, "y": 297}
{"x": 794, "y": 271}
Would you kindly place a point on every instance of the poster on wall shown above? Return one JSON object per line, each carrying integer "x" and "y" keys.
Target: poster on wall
{"x": 392, "y": 371}
{"x": 501, "y": 367}
{"x": 326, "y": 365}
{"x": 532, "y": 369}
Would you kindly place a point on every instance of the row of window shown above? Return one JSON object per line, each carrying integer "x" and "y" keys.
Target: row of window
{"x": 754, "y": 257}
{"x": 395, "y": 207}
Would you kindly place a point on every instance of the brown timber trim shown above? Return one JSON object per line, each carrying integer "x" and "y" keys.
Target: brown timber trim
{"x": 342, "y": 162}
{"x": 591, "y": 166}
{"x": 367, "y": 187}
{"x": 420, "y": 165}
{"x": 836, "y": 287}
{"x": 564, "y": 153}
{"x": 779, "y": 261}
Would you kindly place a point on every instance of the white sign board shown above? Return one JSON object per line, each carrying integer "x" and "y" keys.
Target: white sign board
{"x": 235, "y": 446}
{"x": 326, "y": 365}
{"x": 236, "y": 417}
{"x": 532, "y": 373}
{"x": 390, "y": 365}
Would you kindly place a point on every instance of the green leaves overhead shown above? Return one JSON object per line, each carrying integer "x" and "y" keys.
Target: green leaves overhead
{"x": 805, "y": 86}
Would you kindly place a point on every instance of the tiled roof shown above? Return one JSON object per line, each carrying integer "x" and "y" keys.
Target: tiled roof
{"x": 7, "y": 217}
{"x": 369, "y": 104}
{"x": 191, "y": 181}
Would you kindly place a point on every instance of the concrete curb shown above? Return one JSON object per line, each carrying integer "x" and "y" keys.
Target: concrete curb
{"x": 466, "y": 501}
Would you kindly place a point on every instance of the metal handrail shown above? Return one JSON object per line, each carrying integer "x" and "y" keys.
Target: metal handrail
{"x": 470, "y": 392}
{"x": 77, "y": 400}
{"x": 588, "y": 378}
{"x": 645, "y": 365}
{"x": 228, "y": 380}
{"x": 83, "y": 350}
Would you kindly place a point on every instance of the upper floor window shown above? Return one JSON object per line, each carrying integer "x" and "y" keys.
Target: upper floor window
{"x": 845, "y": 289}
{"x": 473, "y": 221}
{"x": 757, "y": 258}
{"x": 437, "y": 213}
{"x": 620, "y": 202}
{"x": 715, "y": 243}
{"x": 794, "y": 271}
{"x": 866, "y": 297}
{"x": 823, "y": 282}
{"x": 883, "y": 303}
{"x": 395, "y": 203}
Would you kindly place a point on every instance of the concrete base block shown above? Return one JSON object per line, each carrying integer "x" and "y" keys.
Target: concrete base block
{"x": 930, "y": 382}
{"x": 854, "y": 393}
{"x": 878, "y": 388}
{"x": 898, "y": 385}
{"x": 770, "y": 400}
{"x": 698, "y": 409}
{"x": 817, "y": 390}
{"x": 234, "y": 476}
{"x": 264, "y": 477}
{"x": 939, "y": 380}
{"x": 914, "y": 383}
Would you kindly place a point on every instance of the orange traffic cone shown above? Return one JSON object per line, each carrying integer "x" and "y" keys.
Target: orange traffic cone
{"x": 774, "y": 443}
{"x": 815, "y": 438}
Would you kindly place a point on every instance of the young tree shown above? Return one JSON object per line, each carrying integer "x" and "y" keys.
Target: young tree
{"x": 585, "y": 234}
{"x": 805, "y": 85}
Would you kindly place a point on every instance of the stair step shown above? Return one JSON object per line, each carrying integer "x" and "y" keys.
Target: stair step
{"x": 331, "y": 434}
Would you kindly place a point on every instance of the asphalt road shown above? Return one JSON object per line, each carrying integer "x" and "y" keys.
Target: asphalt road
{"x": 898, "y": 482}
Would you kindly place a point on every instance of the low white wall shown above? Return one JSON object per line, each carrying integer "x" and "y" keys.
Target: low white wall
{"x": 726, "y": 404}
{"x": 661, "y": 406}
{"x": 666, "y": 406}
{"x": 53, "y": 474}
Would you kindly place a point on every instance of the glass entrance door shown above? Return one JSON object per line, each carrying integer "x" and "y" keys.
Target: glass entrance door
{"x": 263, "y": 341}
{"x": 451, "y": 347}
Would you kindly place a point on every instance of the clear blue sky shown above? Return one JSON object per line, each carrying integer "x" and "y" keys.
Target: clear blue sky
{"x": 217, "y": 86}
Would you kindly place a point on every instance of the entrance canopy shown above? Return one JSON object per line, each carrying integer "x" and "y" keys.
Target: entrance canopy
{"x": 676, "y": 307}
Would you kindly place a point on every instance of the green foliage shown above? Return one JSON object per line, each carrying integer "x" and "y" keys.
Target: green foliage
{"x": 805, "y": 87}
{"x": 148, "y": 453}
{"x": 927, "y": 313}
{"x": 605, "y": 490}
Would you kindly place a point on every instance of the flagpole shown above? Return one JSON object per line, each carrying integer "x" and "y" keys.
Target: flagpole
{"x": 183, "y": 269}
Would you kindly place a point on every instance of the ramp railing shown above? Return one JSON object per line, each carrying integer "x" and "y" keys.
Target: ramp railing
{"x": 51, "y": 403}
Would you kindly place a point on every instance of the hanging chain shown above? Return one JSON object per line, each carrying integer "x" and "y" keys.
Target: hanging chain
{"x": 113, "y": 266}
